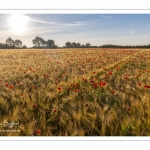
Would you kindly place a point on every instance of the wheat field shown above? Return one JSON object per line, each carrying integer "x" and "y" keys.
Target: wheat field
{"x": 75, "y": 92}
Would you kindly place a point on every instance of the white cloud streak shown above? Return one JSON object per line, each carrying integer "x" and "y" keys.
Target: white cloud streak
{"x": 132, "y": 32}
{"x": 107, "y": 17}
{"x": 56, "y": 23}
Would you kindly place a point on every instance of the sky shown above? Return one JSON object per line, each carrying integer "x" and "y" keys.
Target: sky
{"x": 96, "y": 29}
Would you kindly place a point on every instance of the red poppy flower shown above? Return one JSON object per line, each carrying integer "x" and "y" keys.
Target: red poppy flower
{"x": 117, "y": 68}
{"x": 125, "y": 78}
{"x": 59, "y": 89}
{"x": 93, "y": 72}
{"x": 18, "y": 82}
{"x": 146, "y": 86}
{"x": 6, "y": 85}
{"x": 113, "y": 91}
{"x": 86, "y": 105}
{"x": 102, "y": 84}
{"x": 76, "y": 91}
{"x": 106, "y": 79}
{"x": 38, "y": 131}
{"x": 129, "y": 108}
{"x": 35, "y": 105}
{"x": 34, "y": 87}
{"x": 110, "y": 73}
{"x": 139, "y": 84}
{"x": 11, "y": 86}
{"x": 21, "y": 94}
{"x": 45, "y": 75}
{"x": 55, "y": 110}
{"x": 95, "y": 85}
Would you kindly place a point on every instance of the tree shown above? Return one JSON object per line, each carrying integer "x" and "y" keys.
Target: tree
{"x": 18, "y": 43}
{"x": 88, "y": 44}
{"x": 50, "y": 43}
{"x": 24, "y": 46}
{"x": 73, "y": 44}
{"x": 78, "y": 45}
{"x": 10, "y": 42}
{"x": 68, "y": 44}
{"x": 38, "y": 42}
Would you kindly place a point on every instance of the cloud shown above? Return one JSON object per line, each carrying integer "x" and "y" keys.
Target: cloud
{"x": 120, "y": 32}
{"x": 132, "y": 32}
{"x": 56, "y": 23}
{"x": 108, "y": 17}
{"x": 38, "y": 20}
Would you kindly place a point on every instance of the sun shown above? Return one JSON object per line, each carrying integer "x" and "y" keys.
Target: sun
{"x": 18, "y": 23}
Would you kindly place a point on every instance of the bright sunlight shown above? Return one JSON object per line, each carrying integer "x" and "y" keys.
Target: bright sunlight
{"x": 18, "y": 23}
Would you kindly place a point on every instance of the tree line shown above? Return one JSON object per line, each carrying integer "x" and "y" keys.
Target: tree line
{"x": 39, "y": 42}
{"x": 11, "y": 44}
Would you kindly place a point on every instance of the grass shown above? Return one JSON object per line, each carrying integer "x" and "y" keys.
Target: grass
{"x": 75, "y": 92}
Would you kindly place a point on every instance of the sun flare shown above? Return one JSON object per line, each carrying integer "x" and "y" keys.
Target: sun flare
{"x": 18, "y": 23}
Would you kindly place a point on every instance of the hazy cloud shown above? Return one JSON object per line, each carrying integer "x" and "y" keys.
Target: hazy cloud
{"x": 55, "y": 23}
{"x": 132, "y": 32}
{"x": 120, "y": 32}
{"x": 108, "y": 17}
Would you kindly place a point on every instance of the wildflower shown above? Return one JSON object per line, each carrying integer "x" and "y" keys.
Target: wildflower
{"x": 106, "y": 79}
{"x": 34, "y": 87}
{"x": 102, "y": 84}
{"x": 139, "y": 84}
{"x": 11, "y": 86}
{"x": 6, "y": 85}
{"x": 110, "y": 73}
{"x": 125, "y": 78}
{"x": 38, "y": 131}
{"x": 35, "y": 105}
{"x": 129, "y": 108}
{"x": 146, "y": 86}
{"x": 76, "y": 91}
{"x": 86, "y": 105}
{"x": 21, "y": 94}
{"x": 18, "y": 82}
{"x": 45, "y": 75}
{"x": 55, "y": 110}
{"x": 117, "y": 68}
{"x": 95, "y": 85}
{"x": 113, "y": 91}
{"x": 59, "y": 89}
